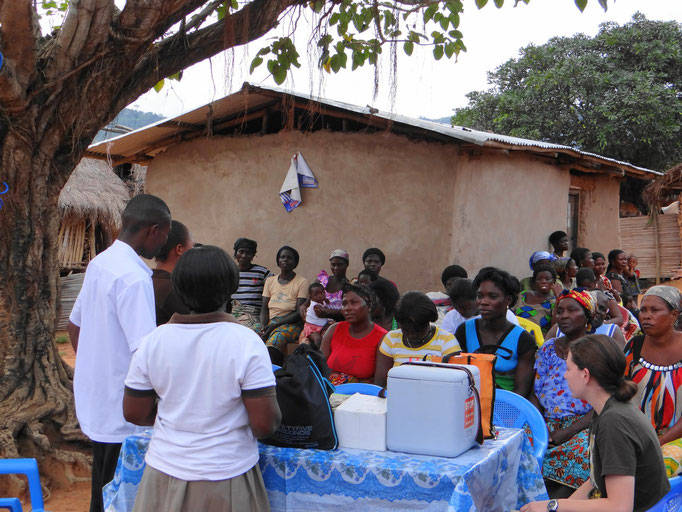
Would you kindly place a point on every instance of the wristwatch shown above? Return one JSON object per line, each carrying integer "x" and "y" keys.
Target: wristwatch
{"x": 552, "y": 506}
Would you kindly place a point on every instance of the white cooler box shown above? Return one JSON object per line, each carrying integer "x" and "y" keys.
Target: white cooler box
{"x": 361, "y": 423}
{"x": 432, "y": 409}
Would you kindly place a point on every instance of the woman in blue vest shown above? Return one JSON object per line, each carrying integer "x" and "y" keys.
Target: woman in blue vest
{"x": 515, "y": 348}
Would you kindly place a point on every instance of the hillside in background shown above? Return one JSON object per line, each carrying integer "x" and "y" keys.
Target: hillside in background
{"x": 128, "y": 118}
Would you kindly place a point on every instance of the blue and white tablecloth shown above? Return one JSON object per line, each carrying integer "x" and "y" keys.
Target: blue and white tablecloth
{"x": 502, "y": 475}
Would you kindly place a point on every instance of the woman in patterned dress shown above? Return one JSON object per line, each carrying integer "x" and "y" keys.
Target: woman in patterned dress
{"x": 567, "y": 461}
{"x": 536, "y": 304}
{"x": 655, "y": 365}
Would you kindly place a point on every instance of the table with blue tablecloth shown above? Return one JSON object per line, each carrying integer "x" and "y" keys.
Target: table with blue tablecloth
{"x": 501, "y": 475}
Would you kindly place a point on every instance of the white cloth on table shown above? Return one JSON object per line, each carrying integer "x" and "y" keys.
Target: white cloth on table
{"x": 114, "y": 310}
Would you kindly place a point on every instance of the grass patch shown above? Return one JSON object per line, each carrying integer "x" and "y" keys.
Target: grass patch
{"x": 62, "y": 339}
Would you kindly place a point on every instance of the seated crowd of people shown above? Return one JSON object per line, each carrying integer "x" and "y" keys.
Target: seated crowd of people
{"x": 364, "y": 327}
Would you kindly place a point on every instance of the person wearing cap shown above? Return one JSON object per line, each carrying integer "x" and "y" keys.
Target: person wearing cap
{"x": 654, "y": 363}
{"x": 333, "y": 285}
{"x": 247, "y": 300}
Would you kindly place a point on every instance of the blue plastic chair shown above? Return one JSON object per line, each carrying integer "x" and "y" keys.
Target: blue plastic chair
{"x": 13, "y": 504}
{"x": 28, "y": 467}
{"x": 275, "y": 367}
{"x": 671, "y": 502}
{"x": 512, "y": 410}
{"x": 358, "y": 387}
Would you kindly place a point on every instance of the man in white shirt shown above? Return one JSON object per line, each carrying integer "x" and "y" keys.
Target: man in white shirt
{"x": 113, "y": 311}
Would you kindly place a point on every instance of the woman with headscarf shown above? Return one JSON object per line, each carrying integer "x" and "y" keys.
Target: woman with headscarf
{"x": 536, "y": 304}
{"x": 283, "y": 295}
{"x": 655, "y": 365}
{"x": 248, "y": 299}
{"x": 350, "y": 346}
{"x": 537, "y": 258}
{"x": 416, "y": 338}
{"x": 566, "y": 417}
{"x": 333, "y": 285}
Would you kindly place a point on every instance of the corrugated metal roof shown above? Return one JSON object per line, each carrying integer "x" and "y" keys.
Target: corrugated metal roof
{"x": 143, "y": 143}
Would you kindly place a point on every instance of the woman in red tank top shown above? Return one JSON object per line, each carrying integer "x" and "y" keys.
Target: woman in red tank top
{"x": 351, "y": 346}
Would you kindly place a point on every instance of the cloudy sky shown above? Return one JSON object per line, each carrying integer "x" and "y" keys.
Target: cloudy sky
{"x": 424, "y": 87}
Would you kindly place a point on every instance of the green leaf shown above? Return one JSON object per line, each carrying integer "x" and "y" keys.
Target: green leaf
{"x": 159, "y": 85}
{"x": 429, "y": 12}
{"x": 408, "y": 47}
{"x": 444, "y": 22}
{"x": 176, "y": 76}
{"x": 581, "y": 4}
{"x": 255, "y": 63}
{"x": 604, "y": 4}
{"x": 481, "y": 3}
{"x": 221, "y": 11}
{"x": 438, "y": 52}
{"x": 449, "y": 50}
{"x": 234, "y": 4}
{"x": 280, "y": 75}
{"x": 499, "y": 3}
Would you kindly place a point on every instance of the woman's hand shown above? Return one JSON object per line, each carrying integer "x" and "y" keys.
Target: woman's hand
{"x": 265, "y": 332}
{"x": 560, "y": 436}
{"x": 557, "y": 289}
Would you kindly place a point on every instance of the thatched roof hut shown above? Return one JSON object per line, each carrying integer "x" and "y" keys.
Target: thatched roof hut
{"x": 664, "y": 190}
{"x": 90, "y": 205}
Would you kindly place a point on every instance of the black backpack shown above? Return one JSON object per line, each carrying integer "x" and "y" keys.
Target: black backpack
{"x": 303, "y": 396}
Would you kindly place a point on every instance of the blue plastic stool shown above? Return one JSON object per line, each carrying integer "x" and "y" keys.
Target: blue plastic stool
{"x": 275, "y": 367}
{"x": 512, "y": 410}
{"x": 671, "y": 502}
{"x": 358, "y": 387}
{"x": 13, "y": 504}
{"x": 28, "y": 467}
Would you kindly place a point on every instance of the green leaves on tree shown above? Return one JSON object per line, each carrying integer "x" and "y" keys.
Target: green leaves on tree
{"x": 616, "y": 94}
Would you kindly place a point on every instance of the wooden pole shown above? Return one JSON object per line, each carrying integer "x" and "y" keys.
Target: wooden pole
{"x": 657, "y": 250}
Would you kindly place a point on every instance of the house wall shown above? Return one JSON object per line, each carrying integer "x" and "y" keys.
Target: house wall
{"x": 598, "y": 225}
{"x": 505, "y": 208}
{"x": 426, "y": 205}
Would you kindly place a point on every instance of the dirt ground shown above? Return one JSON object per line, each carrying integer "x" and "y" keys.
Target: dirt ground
{"x": 75, "y": 498}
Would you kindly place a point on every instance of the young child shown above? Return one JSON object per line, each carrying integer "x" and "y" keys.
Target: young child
{"x": 312, "y": 329}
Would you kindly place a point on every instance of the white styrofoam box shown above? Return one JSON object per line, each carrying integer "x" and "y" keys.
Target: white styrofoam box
{"x": 431, "y": 410}
{"x": 361, "y": 422}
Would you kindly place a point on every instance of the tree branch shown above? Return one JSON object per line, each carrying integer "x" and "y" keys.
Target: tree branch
{"x": 199, "y": 18}
{"x": 12, "y": 94}
{"x": 85, "y": 27}
{"x": 142, "y": 22}
{"x": 177, "y": 52}
{"x": 19, "y": 34}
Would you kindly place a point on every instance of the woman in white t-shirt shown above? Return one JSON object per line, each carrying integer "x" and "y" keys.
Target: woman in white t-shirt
{"x": 216, "y": 396}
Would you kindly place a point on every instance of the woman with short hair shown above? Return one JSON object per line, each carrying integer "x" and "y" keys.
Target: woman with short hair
{"x": 350, "y": 346}
{"x": 626, "y": 467}
{"x": 206, "y": 384}
{"x": 283, "y": 295}
{"x": 247, "y": 301}
{"x": 416, "y": 338}
{"x": 497, "y": 290}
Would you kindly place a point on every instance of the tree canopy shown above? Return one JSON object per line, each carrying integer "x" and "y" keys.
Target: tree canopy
{"x": 618, "y": 94}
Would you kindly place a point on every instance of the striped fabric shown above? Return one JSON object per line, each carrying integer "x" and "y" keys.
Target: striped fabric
{"x": 250, "y": 291}
{"x": 441, "y": 344}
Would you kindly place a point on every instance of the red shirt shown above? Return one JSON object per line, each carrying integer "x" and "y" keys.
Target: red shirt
{"x": 354, "y": 356}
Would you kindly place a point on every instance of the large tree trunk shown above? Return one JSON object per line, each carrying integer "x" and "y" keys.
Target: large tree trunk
{"x": 56, "y": 92}
{"x": 36, "y": 399}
